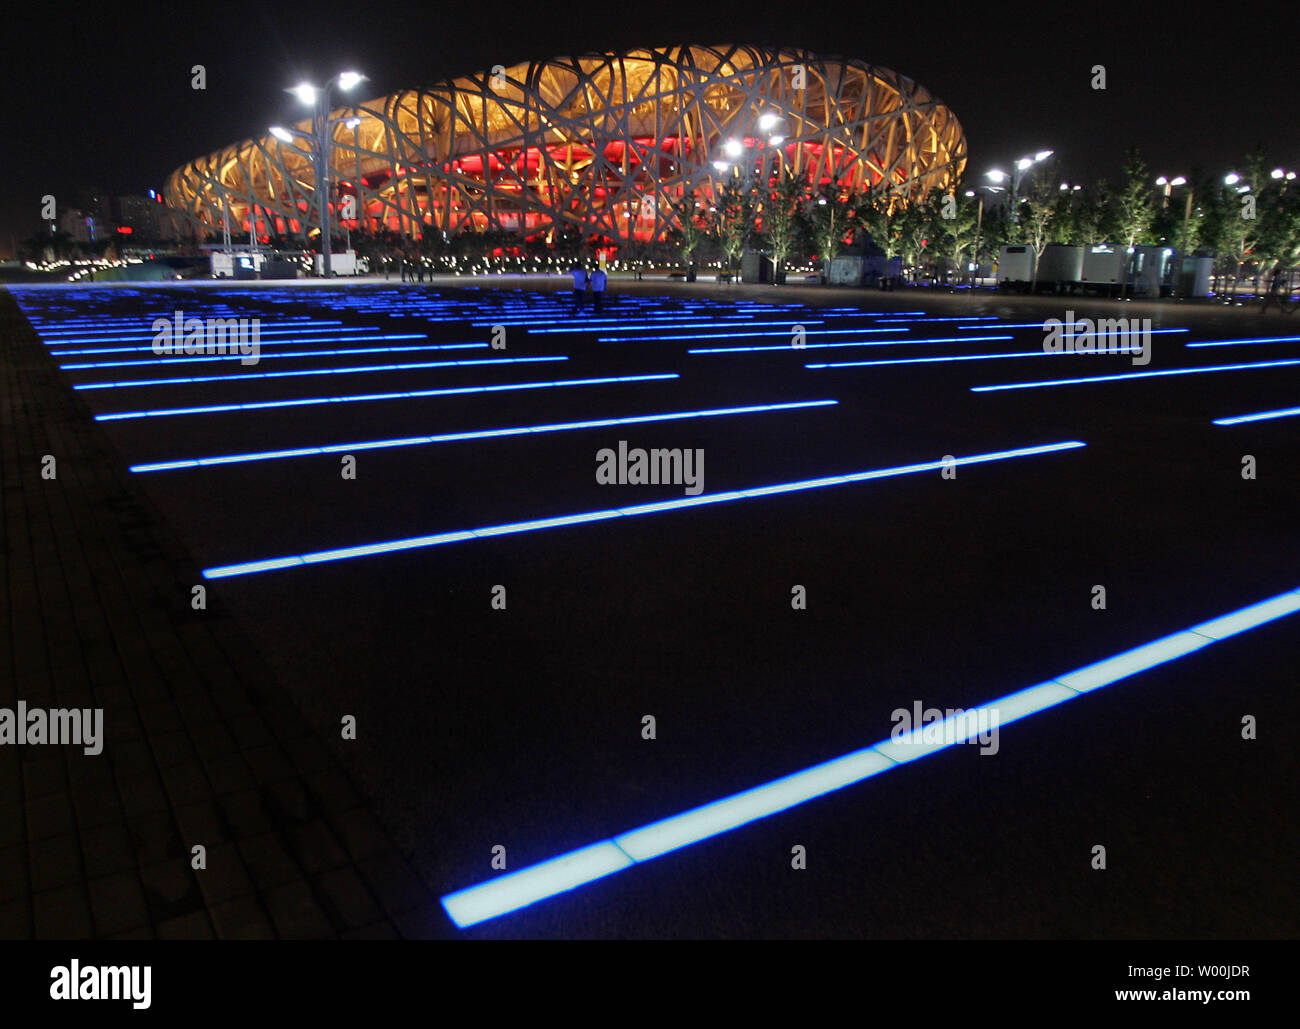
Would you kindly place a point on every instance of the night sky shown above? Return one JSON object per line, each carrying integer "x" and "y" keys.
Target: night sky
{"x": 99, "y": 95}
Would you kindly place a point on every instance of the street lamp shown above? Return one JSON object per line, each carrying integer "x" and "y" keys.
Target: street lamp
{"x": 979, "y": 219}
{"x": 322, "y": 137}
{"x": 1021, "y": 166}
{"x": 1168, "y": 184}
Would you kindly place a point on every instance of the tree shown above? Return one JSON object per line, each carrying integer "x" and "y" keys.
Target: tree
{"x": 957, "y": 225}
{"x": 1093, "y": 219}
{"x": 1134, "y": 210}
{"x": 783, "y": 219}
{"x": 733, "y": 218}
{"x": 831, "y": 218}
{"x": 915, "y": 227}
{"x": 690, "y": 229}
{"x": 1038, "y": 216}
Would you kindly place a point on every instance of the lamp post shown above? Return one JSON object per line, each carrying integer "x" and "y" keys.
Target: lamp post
{"x": 1168, "y": 185}
{"x": 979, "y": 229}
{"x": 322, "y": 136}
{"x": 733, "y": 153}
{"x": 1021, "y": 166}
{"x": 1232, "y": 179}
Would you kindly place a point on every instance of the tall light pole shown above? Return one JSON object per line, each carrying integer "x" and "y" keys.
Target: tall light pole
{"x": 1021, "y": 166}
{"x": 979, "y": 229}
{"x": 322, "y": 136}
{"x": 1168, "y": 185}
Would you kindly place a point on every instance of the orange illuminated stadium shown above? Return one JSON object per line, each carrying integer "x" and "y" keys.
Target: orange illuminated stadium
{"x": 601, "y": 145}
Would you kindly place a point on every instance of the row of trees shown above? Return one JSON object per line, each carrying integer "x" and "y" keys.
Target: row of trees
{"x": 1253, "y": 220}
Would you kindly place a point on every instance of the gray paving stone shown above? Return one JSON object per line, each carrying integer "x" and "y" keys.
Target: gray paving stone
{"x": 49, "y": 816}
{"x": 13, "y": 873}
{"x": 62, "y": 914}
{"x": 296, "y": 914}
{"x": 348, "y": 896}
{"x": 117, "y": 903}
{"x": 171, "y": 889}
{"x": 54, "y": 863}
{"x": 202, "y": 823}
{"x": 142, "y": 795}
{"x": 194, "y": 926}
{"x": 398, "y": 888}
{"x": 226, "y": 876}
{"x": 267, "y": 860}
{"x": 243, "y": 918}
{"x": 107, "y": 848}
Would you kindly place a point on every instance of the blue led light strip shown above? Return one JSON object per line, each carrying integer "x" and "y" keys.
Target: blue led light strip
{"x": 752, "y": 332}
{"x": 962, "y": 357}
{"x": 237, "y": 377}
{"x": 163, "y": 361}
{"x": 1259, "y": 416}
{"x": 361, "y": 397}
{"x": 508, "y": 893}
{"x": 1136, "y": 375}
{"x": 450, "y": 437}
{"x": 434, "y": 539}
{"x": 824, "y": 346}
{"x": 1244, "y": 342}
{"x": 268, "y": 343}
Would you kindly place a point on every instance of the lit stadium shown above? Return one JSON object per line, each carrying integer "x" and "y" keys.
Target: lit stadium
{"x": 599, "y": 146}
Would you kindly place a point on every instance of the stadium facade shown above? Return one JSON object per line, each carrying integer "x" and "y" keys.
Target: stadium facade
{"x": 601, "y": 145}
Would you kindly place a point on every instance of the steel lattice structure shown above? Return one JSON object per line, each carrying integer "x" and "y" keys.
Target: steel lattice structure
{"x": 604, "y": 145}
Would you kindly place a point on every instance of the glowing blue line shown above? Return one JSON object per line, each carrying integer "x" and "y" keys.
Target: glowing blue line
{"x": 953, "y": 318}
{"x": 529, "y": 885}
{"x": 1136, "y": 375}
{"x": 1012, "y": 325}
{"x": 450, "y": 437}
{"x": 268, "y": 343}
{"x": 1065, "y": 325}
{"x": 709, "y": 324}
{"x": 751, "y": 333}
{"x": 824, "y": 346}
{"x": 537, "y": 882}
{"x": 276, "y": 330}
{"x": 357, "y": 398}
{"x": 363, "y": 368}
{"x": 1245, "y": 342}
{"x": 1259, "y": 416}
{"x": 964, "y": 357}
{"x": 163, "y": 359}
{"x": 226, "y": 571}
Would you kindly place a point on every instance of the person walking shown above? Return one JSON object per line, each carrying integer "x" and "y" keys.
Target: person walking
{"x": 598, "y": 280}
{"x": 579, "y": 274}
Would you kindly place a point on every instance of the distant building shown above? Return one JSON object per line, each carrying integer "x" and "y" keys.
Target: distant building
{"x": 95, "y": 203}
{"x": 605, "y": 146}
{"x": 77, "y": 224}
{"x": 149, "y": 219}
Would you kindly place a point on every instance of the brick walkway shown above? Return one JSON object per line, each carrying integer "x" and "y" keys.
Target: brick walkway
{"x": 200, "y": 747}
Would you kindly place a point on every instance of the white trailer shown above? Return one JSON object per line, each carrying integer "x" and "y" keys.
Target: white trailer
{"x": 1016, "y": 265}
{"x": 235, "y": 264}
{"x": 1060, "y": 267}
{"x": 1103, "y": 267}
{"x": 340, "y": 264}
{"x": 1195, "y": 278}
{"x": 1151, "y": 271}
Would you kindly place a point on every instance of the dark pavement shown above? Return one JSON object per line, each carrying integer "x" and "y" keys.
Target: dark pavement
{"x": 522, "y": 727}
